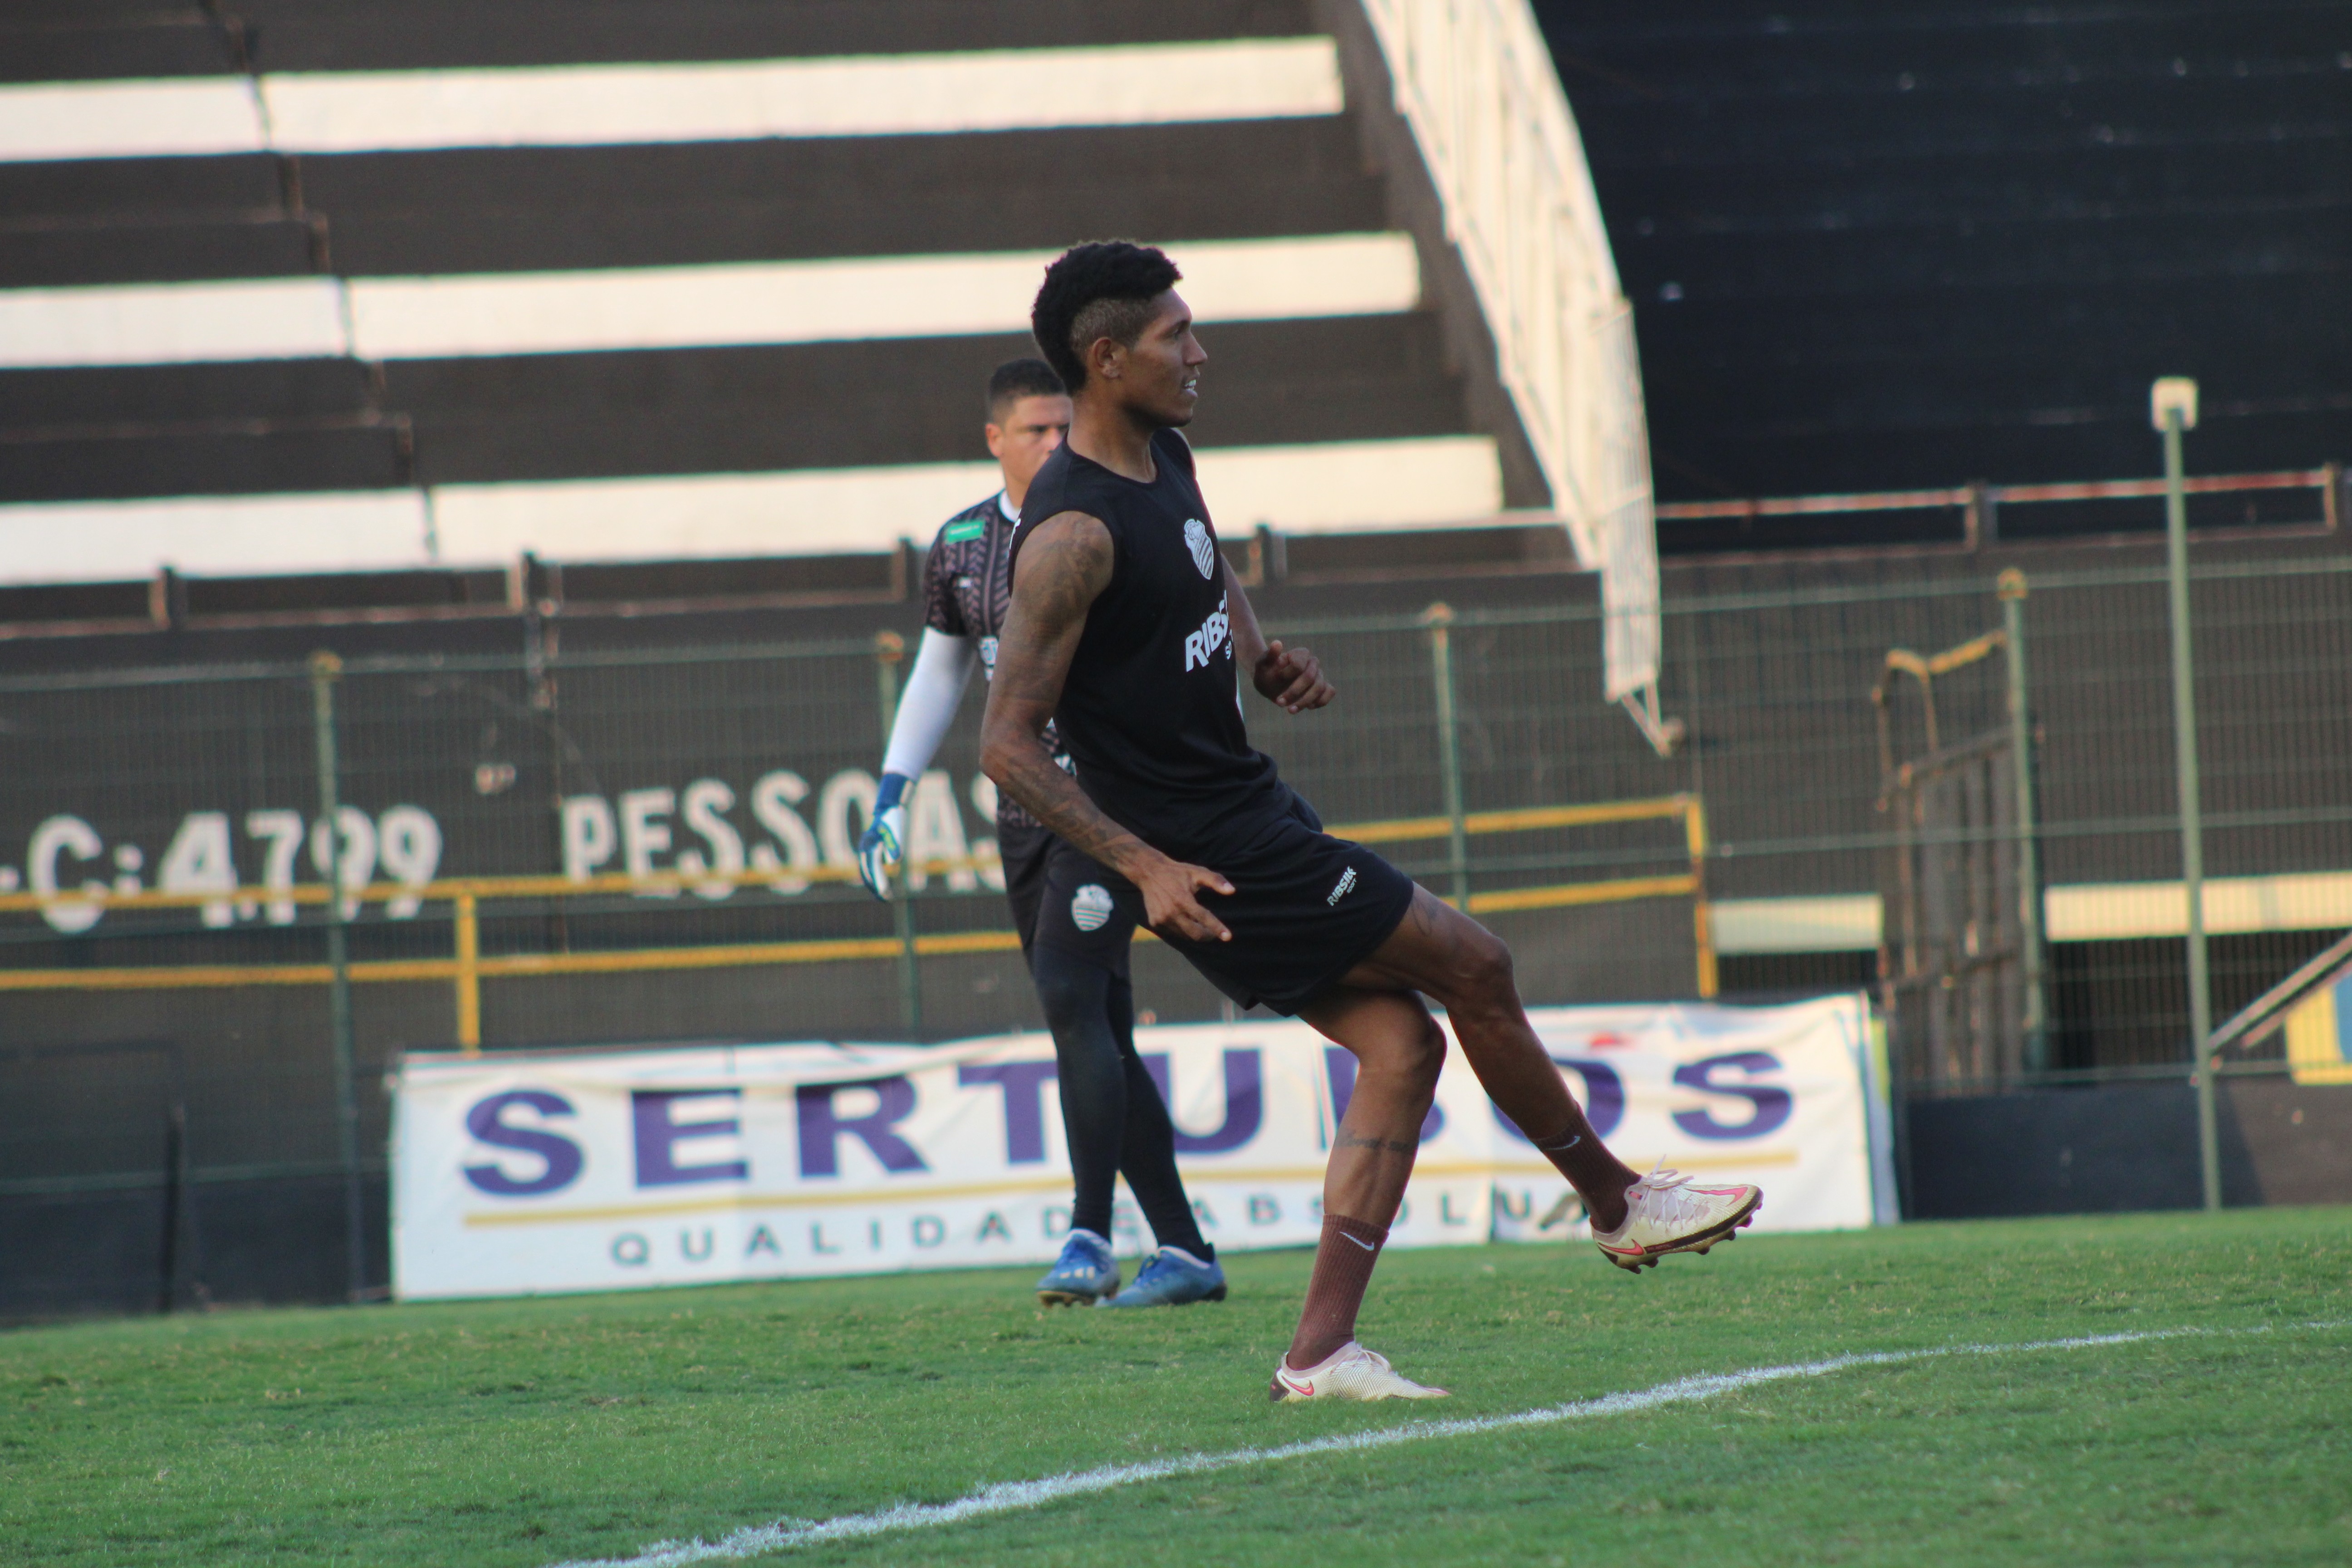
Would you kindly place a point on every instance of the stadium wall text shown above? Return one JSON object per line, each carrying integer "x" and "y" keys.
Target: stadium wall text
{"x": 689, "y": 832}
{"x": 526, "y": 1173}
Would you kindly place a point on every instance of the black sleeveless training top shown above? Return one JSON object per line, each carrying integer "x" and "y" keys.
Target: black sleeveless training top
{"x": 1151, "y": 710}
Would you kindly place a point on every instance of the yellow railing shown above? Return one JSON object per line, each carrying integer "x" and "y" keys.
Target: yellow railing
{"x": 467, "y": 967}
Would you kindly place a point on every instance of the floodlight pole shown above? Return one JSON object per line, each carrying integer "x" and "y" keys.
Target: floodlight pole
{"x": 2173, "y": 405}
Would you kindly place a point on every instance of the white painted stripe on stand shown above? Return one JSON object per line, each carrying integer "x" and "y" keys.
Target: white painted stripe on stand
{"x": 690, "y": 516}
{"x": 1332, "y": 487}
{"x": 873, "y": 95}
{"x": 833, "y": 300}
{"x": 190, "y": 116}
{"x": 483, "y": 314}
{"x": 849, "y": 510}
{"x": 172, "y": 323}
{"x": 213, "y": 536}
{"x": 1012, "y": 1496}
{"x": 719, "y": 100}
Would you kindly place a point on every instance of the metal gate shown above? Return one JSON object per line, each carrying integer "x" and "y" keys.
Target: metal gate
{"x": 1960, "y": 968}
{"x": 1951, "y": 974}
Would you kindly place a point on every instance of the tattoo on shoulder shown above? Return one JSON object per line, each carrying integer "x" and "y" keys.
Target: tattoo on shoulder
{"x": 1068, "y": 566}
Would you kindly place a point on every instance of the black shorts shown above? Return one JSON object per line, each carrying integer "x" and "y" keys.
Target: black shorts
{"x": 1305, "y": 909}
{"x": 1065, "y": 901}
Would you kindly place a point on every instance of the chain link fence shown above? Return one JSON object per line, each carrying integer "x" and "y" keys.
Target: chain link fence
{"x": 574, "y": 848}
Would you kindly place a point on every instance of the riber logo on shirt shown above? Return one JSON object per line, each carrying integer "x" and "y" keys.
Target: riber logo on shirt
{"x": 1201, "y": 645}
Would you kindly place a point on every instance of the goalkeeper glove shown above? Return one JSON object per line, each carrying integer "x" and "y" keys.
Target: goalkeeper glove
{"x": 884, "y": 844}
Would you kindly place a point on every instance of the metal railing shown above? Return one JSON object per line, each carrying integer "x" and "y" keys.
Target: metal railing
{"x": 1979, "y": 504}
{"x": 465, "y": 967}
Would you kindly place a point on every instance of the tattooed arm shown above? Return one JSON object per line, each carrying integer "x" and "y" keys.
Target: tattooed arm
{"x": 1065, "y": 564}
{"x": 1291, "y": 678}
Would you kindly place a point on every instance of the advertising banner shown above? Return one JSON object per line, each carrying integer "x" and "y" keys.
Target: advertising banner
{"x": 523, "y": 1172}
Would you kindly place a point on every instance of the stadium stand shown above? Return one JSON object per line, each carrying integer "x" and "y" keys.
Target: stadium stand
{"x": 261, "y": 304}
{"x": 325, "y": 288}
{"x": 1876, "y": 249}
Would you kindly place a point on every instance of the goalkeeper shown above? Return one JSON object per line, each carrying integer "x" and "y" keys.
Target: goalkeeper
{"x": 1073, "y": 934}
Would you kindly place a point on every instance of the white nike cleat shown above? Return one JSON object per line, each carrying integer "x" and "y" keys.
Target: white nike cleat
{"x": 1351, "y": 1372}
{"x": 1664, "y": 1213}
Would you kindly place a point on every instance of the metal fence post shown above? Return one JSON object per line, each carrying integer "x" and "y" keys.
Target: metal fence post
{"x": 889, "y": 649}
{"x": 325, "y": 671}
{"x": 1439, "y": 618}
{"x": 1693, "y": 815}
{"x": 466, "y": 923}
{"x": 2174, "y": 406}
{"x": 2035, "y": 1023}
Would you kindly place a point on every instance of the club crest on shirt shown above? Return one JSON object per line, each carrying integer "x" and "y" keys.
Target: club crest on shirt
{"x": 1090, "y": 907}
{"x": 1203, "y": 548}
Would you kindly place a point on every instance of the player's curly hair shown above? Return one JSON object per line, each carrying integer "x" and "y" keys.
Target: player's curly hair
{"x": 1103, "y": 289}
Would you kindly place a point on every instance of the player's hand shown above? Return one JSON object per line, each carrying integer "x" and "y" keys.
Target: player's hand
{"x": 1291, "y": 679}
{"x": 881, "y": 848}
{"x": 1169, "y": 902}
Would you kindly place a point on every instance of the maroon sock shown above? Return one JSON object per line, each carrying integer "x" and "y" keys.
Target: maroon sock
{"x": 1343, "y": 1267}
{"x": 1598, "y": 1177}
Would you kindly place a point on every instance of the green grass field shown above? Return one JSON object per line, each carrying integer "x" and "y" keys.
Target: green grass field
{"x": 528, "y": 1433}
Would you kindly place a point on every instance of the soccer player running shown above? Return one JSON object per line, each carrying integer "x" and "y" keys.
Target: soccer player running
{"x": 1128, "y": 633}
{"x": 1074, "y": 929}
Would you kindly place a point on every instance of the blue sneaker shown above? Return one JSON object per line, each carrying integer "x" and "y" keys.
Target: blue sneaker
{"x": 1085, "y": 1272}
{"x": 1173, "y": 1277}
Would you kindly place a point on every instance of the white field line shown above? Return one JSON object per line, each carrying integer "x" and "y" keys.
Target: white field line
{"x": 1009, "y": 1497}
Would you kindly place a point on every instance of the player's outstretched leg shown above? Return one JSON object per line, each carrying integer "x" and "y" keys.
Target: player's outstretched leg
{"x": 1399, "y": 1049}
{"x": 1445, "y": 954}
{"x": 1113, "y": 1119}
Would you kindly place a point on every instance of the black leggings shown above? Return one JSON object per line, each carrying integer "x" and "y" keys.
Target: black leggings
{"x": 1111, "y": 1110}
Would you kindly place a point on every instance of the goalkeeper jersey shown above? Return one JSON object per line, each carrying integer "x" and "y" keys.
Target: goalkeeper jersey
{"x": 967, "y": 592}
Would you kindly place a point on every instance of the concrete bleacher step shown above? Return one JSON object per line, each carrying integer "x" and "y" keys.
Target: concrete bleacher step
{"x": 181, "y": 393}
{"x": 526, "y": 209}
{"x": 1952, "y": 187}
{"x": 80, "y": 222}
{"x": 367, "y": 35}
{"x": 97, "y": 189}
{"x": 82, "y": 40}
{"x": 1991, "y": 254}
{"x": 60, "y": 254}
{"x": 323, "y": 425}
{"x": 333, "y": 452}
{"x": 522, "y": 314}
{"x": 849, "y": 404}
